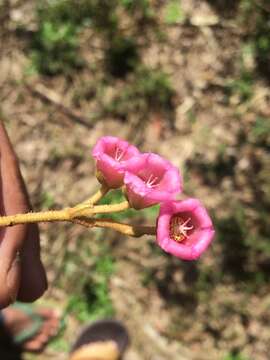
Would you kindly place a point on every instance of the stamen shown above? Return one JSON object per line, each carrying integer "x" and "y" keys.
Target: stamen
{"x": 151, "y": 181}
{"x": 119, "y": 153}
{"x": 179, "y": 228}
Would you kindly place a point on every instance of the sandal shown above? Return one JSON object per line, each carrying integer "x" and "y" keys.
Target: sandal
{"x": 111, "y": 335}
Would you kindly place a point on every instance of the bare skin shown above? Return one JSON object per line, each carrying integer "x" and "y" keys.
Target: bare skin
{"x": 17, "y": 321}
{"x": 22, "y": 275}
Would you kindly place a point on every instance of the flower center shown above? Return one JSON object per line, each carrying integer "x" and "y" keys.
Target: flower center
{"x": 119, "y": 153}
{"x": 179, "y": 228}
{"x": 152, "y": 181}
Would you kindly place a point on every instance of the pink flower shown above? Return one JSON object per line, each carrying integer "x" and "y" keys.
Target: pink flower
{"x": 156, "y": 181}
{"x": 184, "y": 229}
{"x": 114, "y": 156}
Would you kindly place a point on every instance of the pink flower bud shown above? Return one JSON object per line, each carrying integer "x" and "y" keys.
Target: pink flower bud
{"x": 113, "y": 156}
{"x": 184, "y": 229}
{"x": 156, "y": 181}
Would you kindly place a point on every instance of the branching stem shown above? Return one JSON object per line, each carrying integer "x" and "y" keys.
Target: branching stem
{"x": 83, "y": 214}
{"x": 98, "y": 195}
{"x": 126, "y": 229}
{"x": 61, "y": 215}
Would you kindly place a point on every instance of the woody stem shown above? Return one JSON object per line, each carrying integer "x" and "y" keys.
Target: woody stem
{"x": 126, "y": 229}
{"x": 66, "y": 214}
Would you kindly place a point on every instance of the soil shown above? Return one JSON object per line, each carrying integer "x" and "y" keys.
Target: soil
{"x": 170, "y": 307}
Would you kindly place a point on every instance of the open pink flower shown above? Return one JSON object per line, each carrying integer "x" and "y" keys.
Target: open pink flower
{"x": 114, "y": 156}
{"x": 156, "y": 181}
{"x": 184, "y": 229}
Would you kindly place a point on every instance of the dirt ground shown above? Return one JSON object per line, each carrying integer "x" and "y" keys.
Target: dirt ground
{"x": 174, "y": 310}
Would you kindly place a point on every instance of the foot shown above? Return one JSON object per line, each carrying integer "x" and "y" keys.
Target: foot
{"x": 16, "y": 321}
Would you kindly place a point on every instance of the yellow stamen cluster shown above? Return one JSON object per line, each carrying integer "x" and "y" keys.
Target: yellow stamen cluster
{"x": 179, "y": 228}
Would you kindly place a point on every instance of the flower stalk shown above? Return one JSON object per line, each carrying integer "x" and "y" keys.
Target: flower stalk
{"x": 83, "y": 214}
{"x": 89, "y": 210}
{"x": 126, "y": 229}
{"x": 66, "y": 214}
{"x": 104, "y": 189}
{"x": 35, "y": 217}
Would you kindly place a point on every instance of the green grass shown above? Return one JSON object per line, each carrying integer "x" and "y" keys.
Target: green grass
{"x": 149, "y": 89}
{"x": 143, "y": 6}
{"x": 232, "y": 356}
{"x": 244, "y": 237}
{"x": 55, "y": 48}
{"x": 46, "y": 200}
{"x": 173, "y": 12}
{"x": 261, "y": 131}
{"x": 94, "y": 301}
{"x": 242, "y": 86}
{"x": 59, "y": 344}
{"x": 121, "y": 55}
{"x": 256, "y": 15}
{"x": 76, "y": 12}
{"x": 55, "y": 45}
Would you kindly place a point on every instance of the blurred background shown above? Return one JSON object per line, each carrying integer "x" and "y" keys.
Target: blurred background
{"x": 189, "y": 80}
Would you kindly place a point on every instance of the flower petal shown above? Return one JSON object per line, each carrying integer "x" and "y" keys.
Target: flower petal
{"x": 113, "y": 156}
{"x": 202, "y": 217}
{"x": 172, "y": 181}
{"x": 156, "y": 180}
{"x": 196, "y": 240}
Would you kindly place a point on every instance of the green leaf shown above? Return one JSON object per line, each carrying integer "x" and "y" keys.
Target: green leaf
{"x": 174, "y": 13}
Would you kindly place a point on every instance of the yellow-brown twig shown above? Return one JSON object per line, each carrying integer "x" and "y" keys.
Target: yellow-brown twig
{"x": 127, "y": 229}
{"x": 61, "y": 215}
{"x": 98, "y": 195}
{"x": 34, "y": 217}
